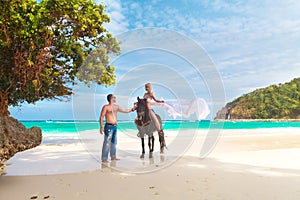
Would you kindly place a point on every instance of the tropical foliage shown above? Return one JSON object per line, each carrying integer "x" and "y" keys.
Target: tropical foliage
{"x": 43, "y": 45}
{"x": 274, "y": 102}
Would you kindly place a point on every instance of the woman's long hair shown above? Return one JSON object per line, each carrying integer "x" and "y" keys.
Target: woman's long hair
{"x": 150, "y": 88}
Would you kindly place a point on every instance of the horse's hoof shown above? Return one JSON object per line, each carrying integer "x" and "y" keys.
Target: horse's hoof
{"x": 150, "y": 155}
{"x": 142, "y": 156}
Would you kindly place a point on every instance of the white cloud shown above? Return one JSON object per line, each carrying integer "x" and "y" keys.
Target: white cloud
{"x": 118, "y": 22}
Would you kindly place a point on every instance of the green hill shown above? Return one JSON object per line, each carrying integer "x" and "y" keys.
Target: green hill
{"x": 274, "y": 102}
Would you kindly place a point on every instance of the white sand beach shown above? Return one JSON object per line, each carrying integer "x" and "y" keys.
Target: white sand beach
{"x": 245, "y": 164}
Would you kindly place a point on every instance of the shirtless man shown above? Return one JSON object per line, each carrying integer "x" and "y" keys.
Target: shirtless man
{"x": 109, "y": 111}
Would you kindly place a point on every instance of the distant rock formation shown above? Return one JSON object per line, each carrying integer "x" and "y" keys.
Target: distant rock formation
{"x": 223, "y": 114}
{"x": 15, "y": 137}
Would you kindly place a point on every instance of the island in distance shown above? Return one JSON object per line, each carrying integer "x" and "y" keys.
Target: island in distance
{"x": 275, "y": 102}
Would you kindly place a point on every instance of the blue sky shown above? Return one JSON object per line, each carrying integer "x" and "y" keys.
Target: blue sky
{"x": 252, "y": 44}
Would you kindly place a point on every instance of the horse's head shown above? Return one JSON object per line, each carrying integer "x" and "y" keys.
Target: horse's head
{"x": 142, "y": 110}
{"x": 141, "y": 107}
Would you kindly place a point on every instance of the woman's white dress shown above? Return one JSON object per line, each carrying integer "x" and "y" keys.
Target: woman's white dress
{"x": 199, "y": 107}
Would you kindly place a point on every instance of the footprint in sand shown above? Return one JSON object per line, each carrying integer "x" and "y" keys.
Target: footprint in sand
{"x": 82, "y": 192}
{"x": 153, "y": 187}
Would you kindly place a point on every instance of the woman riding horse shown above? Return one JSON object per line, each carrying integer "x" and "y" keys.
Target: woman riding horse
{"x": 147, "y": 121}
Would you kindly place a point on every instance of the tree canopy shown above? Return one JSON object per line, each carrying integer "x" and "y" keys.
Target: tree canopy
{"x": 274, "y": 102}
{"x": 43, "y": 45}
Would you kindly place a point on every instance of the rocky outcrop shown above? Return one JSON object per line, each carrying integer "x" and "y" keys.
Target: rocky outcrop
{"x": 15, "y": 137}
{"x": 222, "y": 114}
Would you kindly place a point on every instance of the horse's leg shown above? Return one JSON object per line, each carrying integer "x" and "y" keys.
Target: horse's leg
{"x": 149, "y": 143}
{"x": 150, "y": 146}
{"x": 162, "y": 141}
{"x": 161, "y": 134}
{"x": 143, "y": 148}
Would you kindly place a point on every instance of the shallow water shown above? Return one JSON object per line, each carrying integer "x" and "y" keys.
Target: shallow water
{"x": 68, "y": 126}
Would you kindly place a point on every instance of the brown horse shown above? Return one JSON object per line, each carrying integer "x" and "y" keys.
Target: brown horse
{"x": 146, "y": 127}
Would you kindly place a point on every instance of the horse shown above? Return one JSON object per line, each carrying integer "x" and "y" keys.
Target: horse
{"x": 146, "y": 126}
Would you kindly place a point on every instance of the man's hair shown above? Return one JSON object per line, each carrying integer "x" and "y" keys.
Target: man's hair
{"x": 109, "y": 97}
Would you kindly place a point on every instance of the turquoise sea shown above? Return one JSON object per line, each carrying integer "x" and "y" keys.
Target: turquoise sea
{"x": 68, "y": 126}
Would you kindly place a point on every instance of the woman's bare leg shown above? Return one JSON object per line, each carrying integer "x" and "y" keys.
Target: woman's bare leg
{"x": 155, "y": 120}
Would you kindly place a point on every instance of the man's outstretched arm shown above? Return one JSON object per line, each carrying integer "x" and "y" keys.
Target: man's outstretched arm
{"x": 122, "y": 110}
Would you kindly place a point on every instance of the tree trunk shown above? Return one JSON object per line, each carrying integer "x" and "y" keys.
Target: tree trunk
{"x": 4, "y": 104}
